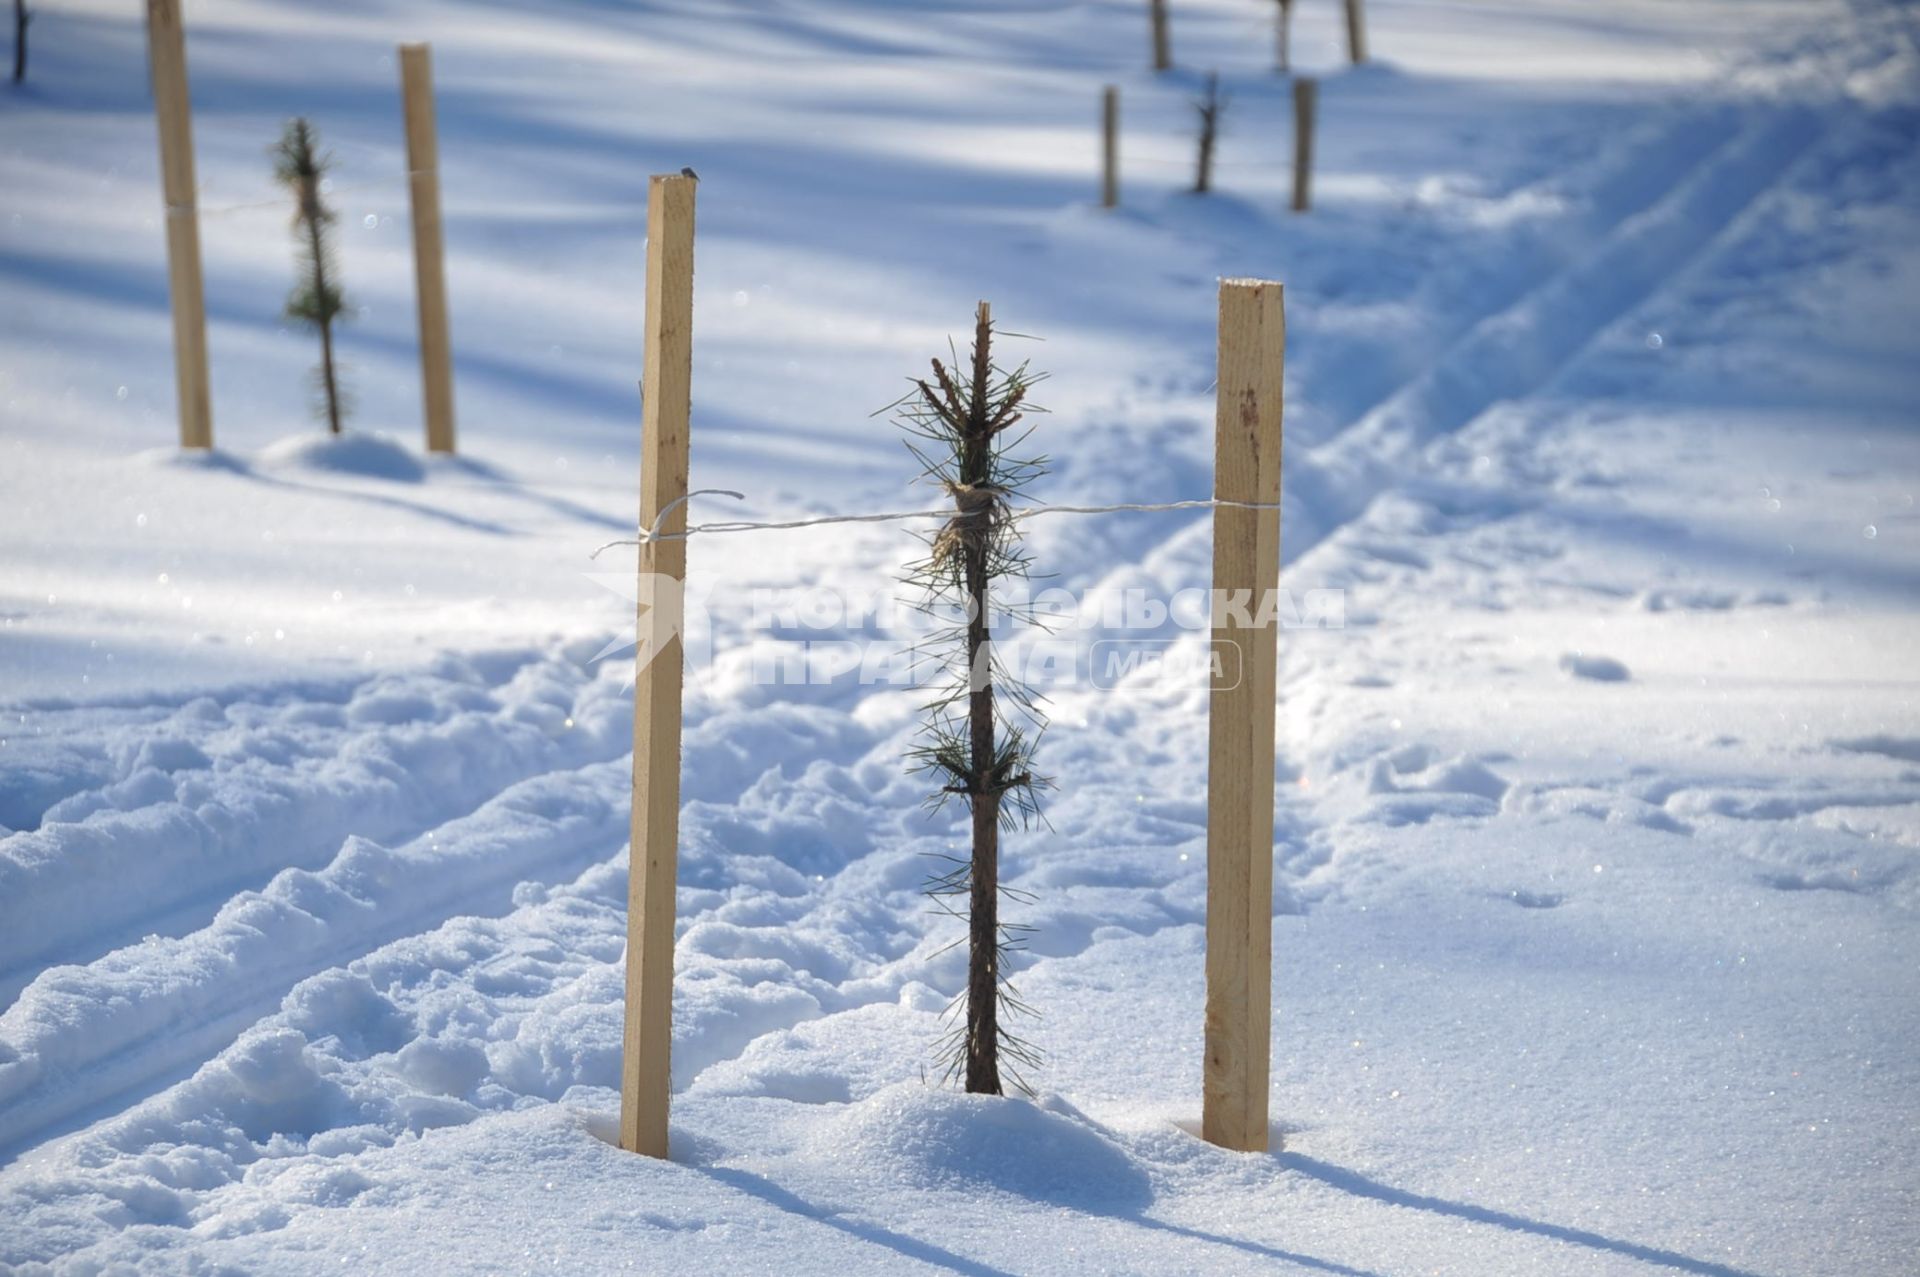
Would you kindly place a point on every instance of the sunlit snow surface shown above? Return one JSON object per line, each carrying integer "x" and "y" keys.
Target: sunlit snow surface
{"x": 1594, "y": 924}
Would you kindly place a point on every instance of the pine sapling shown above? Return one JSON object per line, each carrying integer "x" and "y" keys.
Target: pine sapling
{"x": 1210, "y": 107}
{"x": 315, "y": 299}
{"x": 981, "y": 728}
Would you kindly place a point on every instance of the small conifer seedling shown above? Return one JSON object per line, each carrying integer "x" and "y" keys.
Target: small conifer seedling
{"x": 316, "y": 300}
{"x": 981, "y": 727}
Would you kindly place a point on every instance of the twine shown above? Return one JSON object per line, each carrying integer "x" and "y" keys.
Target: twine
{"x": 649, "y": 535}
{"x": 192, "y": 208}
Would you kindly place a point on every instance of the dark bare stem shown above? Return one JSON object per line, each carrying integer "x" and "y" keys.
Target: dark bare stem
{"x": 983, "y": 965}
{"x": 1209, "y": 108}
{"x": 320, "y": 290}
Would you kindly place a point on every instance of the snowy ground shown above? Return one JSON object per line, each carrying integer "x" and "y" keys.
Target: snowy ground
{"x": 1595, "y": 911}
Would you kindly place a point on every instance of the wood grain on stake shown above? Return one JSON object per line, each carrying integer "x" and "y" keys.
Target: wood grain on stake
{"x": 645, "y": 1066}
{"x": 1356, "y": 32}
{"x": 1246, "y": 565}
{"x": 173, "y": 111}
{"x": 429, "y": 252}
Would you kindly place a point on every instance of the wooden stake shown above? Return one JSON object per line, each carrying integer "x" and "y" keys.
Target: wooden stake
{"x": 1110, "y": 147}
{"x": 429, "y": 251}
{"x": 1306, "y": 92}
{"x": 1356, "y": 32}
{"x": 1162, "y": 54}
{"x": 1240, "y": 793}
{"x": 645, "y": 1073}
{"x": 173, "y": 110}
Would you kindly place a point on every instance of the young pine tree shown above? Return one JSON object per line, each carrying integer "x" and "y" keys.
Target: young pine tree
{"x": 1210, "y": 109}
{"x": 980, "y": 730}
{"x": 316, "y": 299}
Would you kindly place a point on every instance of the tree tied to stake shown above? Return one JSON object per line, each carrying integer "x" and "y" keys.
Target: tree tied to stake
{"x": 316, "y": 299}
{"x": 980, "y": 731}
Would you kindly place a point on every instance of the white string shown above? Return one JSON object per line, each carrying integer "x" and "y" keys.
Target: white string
{"x": 652, "y": 534}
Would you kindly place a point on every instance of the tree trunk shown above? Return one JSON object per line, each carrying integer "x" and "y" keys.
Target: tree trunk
{"x": 19, "y": 40}
{"x": 321, "y": 295}
{"x": 326, "y": 372}
{"x": 1286, "y": 37}
{"x": 1162, "y": 54}
{"x": 983, "y": 940}
{"x": 1209, "y": 125}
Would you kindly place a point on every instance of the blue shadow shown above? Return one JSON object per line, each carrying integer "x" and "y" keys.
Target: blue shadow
{"x": 1360, "y": 1186}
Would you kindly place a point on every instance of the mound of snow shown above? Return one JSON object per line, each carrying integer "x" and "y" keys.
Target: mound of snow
{"x": 371, "y": 456}
{"x": 936, "y": 1139}
{"x": 1601, "y": 669}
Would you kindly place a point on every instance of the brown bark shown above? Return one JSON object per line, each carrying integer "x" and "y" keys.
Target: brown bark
{"x": 983, "y": 941}
{"x": 311, "y": 211}
{"x": 1209, "y": 127}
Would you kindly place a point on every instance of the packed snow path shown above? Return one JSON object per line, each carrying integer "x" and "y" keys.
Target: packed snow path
{"x": 1594, "y": 925}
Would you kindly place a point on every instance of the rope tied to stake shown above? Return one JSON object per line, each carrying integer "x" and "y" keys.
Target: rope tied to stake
{"x": 649, "y": 535}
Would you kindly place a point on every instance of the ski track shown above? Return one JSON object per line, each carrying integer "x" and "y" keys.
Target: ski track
{"x": 1515, "y": 351}
{"x": 214, "y": 798}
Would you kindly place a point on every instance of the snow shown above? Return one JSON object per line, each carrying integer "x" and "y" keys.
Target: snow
{"x": 1598, "y": 791}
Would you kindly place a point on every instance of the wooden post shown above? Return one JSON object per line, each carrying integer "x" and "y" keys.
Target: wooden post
{"x": 429, "y": 251}
{"x": 172, "y": 109}
{"x": 1240, "y": 790}
{"x": 645, "y": 1074}
{"x": 1306, "y": 92}
{"x": 1110, "y": 147}
{"x": 1356, "y": 32}
{"x": 1162, "y": 55}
